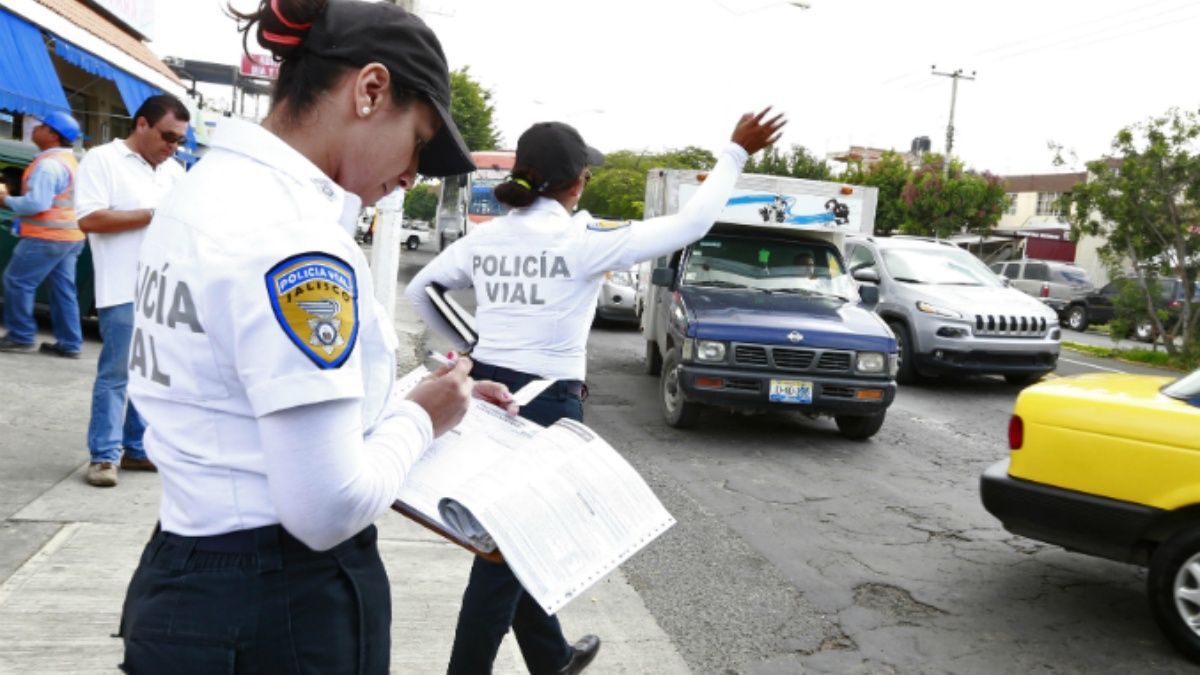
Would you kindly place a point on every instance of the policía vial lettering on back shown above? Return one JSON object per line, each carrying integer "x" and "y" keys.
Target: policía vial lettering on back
{"x": 521, "y": 270}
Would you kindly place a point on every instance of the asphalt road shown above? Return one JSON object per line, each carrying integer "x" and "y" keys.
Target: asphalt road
{"x": 800, "y": 551}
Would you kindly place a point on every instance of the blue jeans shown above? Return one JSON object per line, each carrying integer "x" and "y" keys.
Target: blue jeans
{"x": 115, "y": 423}
{"x": 495, "y": 600}
{"x": 34, "y": 261}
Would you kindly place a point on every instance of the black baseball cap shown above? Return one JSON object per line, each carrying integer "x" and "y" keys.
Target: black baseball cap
{"x": 367, "y": 32}
{"x": 557, "y": 152}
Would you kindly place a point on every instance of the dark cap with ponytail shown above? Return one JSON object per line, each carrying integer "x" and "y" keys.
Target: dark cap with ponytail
{"x": 550, "y": 158}
{"x": 315, "y": 40}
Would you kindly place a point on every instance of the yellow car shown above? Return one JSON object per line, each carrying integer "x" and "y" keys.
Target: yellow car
{"x": 1109, "y": 465}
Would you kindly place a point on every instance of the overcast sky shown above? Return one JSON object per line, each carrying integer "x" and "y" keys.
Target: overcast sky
{"x": 655, "y": 74}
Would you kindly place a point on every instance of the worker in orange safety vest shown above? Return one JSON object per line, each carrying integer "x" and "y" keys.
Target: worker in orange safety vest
{"x": 50, "y": 245}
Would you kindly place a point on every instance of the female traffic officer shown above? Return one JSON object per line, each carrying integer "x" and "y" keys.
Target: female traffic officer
{"x": 264, "y": 366}
{"x": 536, "y": 274}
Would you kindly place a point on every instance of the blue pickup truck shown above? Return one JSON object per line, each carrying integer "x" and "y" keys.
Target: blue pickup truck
{"x": 762, "y": 313}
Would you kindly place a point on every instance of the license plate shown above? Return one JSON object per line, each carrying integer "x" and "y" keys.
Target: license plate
{"x": 791, "y": 391}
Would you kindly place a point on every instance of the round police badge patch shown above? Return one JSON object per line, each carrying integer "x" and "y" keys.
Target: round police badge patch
{"x": 315, "y": 298}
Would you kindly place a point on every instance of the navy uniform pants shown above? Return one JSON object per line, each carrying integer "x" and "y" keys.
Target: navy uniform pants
{"x": 257, "y": 601}
{"x": 494, "y": 599}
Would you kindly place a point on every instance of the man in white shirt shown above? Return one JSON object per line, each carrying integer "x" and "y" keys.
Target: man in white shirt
{"x": 117, "y": 189}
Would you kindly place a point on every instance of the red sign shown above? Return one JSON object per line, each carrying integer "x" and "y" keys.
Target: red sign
{"x": 259, "y": 66}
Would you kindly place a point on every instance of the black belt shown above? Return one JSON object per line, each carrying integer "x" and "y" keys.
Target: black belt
{"x": 515, "y": 379}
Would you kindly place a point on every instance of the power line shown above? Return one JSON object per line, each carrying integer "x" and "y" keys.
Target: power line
{"x": 954, "y": 78}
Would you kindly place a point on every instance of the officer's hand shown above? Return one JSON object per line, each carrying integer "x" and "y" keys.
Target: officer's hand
{"x": 497, "y": 394}
{"x": 754, "y": 134}
{"x": 446, "y": 395}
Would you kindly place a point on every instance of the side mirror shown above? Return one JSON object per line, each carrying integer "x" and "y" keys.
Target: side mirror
{"x": 663, "y": 276}
{"x": 869, "y": 295}
{"x": 868, "y": 275}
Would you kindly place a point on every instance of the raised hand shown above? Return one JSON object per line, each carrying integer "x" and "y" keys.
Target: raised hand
{"x": 754, "y": 134}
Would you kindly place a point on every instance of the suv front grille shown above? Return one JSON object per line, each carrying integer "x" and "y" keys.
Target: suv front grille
{"x": 1009, "y": 325}
{"x": 789, "y": 358}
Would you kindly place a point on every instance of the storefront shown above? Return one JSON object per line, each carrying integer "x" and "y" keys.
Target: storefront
{"x": 85, "y": 57}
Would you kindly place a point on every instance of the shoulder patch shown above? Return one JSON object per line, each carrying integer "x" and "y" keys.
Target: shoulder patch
{"x": 608, "y": 225}
{"x": 315, "y": 299}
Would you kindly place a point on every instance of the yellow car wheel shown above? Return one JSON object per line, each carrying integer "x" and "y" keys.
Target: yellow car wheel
{"x": 1173, "y": 586}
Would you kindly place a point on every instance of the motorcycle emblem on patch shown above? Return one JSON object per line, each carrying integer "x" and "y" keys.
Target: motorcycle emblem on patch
{"x": 315, "y": 299}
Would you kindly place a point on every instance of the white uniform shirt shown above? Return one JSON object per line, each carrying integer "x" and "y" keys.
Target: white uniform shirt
{"x": 537, "y": 273}
{"x": 252, "y": 298}
{"x": 114, "y": 176}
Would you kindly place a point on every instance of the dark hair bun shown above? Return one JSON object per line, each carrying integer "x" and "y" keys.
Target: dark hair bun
{"x": 282, "y": 24}
{"x": 514, "y": 194}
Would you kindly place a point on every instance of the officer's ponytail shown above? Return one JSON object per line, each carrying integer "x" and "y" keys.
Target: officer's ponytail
{"x": 521, "y": 188}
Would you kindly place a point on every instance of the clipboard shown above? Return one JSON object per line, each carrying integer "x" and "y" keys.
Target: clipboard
{"x": 404, "y": 510}
{"x": 455, "y": 315}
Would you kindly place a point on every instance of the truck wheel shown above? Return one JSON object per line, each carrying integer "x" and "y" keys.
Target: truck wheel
{"x": 652, "y": 365}
{"x": 859, "y": 427}
{"x": 677, "y": 412}
{"x": 906, "y": 372}
{"x": 1173, "y": 588}
{"x": 412, "y": 243}
{"x": 1077, "y": 319}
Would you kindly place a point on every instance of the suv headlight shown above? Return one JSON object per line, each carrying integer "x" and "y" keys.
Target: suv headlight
{"x": 938, "y": 311}
{"x": 710, "y": 350}
{"x": 871, "y": 362}
{"x": 621, "y": 278}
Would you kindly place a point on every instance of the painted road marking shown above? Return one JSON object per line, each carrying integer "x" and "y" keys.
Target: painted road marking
{"x": 1091, "y": 365}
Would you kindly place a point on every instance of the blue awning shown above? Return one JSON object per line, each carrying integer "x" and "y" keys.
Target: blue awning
{"x": 134, "y": 91}
{"x": 28, "y": 84}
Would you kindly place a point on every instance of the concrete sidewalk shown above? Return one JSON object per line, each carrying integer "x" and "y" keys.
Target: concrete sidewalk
{"x": 67, "y": 550}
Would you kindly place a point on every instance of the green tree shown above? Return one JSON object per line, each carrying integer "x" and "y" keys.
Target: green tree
{"x": 618, "y": 189}
{"x": 940, "y": 203}
{"x": 889, "y": 175}
{"x": 473, "y": 112}
{"x": 420, "y": 203}
{"x": 1146, "y": 206}
{"x": 797, "y": 162}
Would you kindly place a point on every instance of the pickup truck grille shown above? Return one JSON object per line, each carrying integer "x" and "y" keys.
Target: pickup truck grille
{"x": 788, "y": 358}
{"x": 750, "y": 355}
{"x": 793, "y": 359}
{"x": 1008, "y": 325}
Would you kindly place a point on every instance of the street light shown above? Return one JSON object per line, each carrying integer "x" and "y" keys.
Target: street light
{"x": 798, "y": 4}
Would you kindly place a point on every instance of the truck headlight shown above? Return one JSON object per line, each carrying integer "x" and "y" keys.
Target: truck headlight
{"x": 621, "y": 278}
{"x": 871, "y": 362}
{"x": 938, "y": 311}
{"x": 710, "y": 350}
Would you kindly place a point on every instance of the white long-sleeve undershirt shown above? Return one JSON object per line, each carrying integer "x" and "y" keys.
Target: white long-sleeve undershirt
{"x": 326, "y": 481}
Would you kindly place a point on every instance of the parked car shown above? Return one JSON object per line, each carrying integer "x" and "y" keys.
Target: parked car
{"x": 1054, "y": 283}
{"x": 951, "y": 314}
{"x": 413, "y": 234}
{"x": 1098, "y": 305}
{"x": 1106, "y": 465}
{"x": 618, "y": 295}
{"x": 14, "y": 157}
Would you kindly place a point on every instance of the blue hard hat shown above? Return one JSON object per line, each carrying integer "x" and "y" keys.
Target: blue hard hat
{"x": 64, "y": 124}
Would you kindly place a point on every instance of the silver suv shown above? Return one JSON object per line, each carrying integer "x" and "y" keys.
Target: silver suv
{"x": 1057, "y": 284}
{"x": 951, "y": 314}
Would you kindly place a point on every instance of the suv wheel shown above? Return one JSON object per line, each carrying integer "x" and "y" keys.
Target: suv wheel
{"x": 1077, "y": 319}
{"x": 859, "y": 427}
{"x": 1173, "y": 587}
{"x": 677, "y": 412}
{"x": 906, "y": 373}
{"x": 412, "y": 243}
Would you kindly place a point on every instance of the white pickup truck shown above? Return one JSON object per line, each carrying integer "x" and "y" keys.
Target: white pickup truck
{"x": 414, "y": 233}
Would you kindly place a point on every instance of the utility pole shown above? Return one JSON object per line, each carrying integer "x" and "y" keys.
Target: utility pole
{"x": 954, "y": 78}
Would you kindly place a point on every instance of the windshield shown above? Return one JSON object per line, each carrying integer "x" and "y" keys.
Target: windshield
{"x": 769, "y": 265}
{"x": 483, "y": 199}
{"x": 942, "y": 265}
{"x": 1186, "y": 388}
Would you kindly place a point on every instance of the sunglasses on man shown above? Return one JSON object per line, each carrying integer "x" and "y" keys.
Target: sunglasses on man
{"x": 171, "y": 137}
